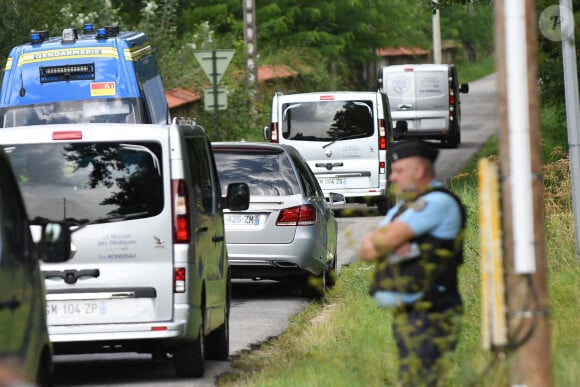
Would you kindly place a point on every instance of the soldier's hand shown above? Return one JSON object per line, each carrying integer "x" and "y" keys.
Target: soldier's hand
{"x": 368, "y": 251}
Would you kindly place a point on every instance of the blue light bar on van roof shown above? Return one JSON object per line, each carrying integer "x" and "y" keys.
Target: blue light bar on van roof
{"x": 101, "y": 33}
{"x": 88, "y": 28}
{"x": 37, "y": 37}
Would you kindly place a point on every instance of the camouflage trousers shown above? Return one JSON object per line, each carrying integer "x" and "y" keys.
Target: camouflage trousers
{"x": 426, "y": 341}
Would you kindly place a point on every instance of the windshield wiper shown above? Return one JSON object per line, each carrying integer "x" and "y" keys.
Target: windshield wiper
{"x": 113, "y": 218}
{"x": 351, "y": 137}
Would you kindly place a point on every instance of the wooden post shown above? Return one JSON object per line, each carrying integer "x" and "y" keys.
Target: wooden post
{"x": 530, "y": 364}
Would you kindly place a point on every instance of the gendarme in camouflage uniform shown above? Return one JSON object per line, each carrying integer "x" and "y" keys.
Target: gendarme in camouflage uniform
{"x": 418, "y": 247}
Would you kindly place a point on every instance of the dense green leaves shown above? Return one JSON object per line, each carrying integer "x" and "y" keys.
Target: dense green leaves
{"x": 329, "y": 42}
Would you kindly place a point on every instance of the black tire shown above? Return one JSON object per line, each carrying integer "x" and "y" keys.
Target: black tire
{"x": 331, "y": 274}
{"x": 217, "y": 343}
{"x": 453, "y": 140}
{"x": 189, "y": 357}
{"x": 44, "y": 373}
{"x": 314, "y": 287}
{"x": 383, "y": 206}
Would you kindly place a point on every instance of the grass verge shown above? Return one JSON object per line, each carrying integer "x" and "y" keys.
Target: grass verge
{"x": 345, "y": 340}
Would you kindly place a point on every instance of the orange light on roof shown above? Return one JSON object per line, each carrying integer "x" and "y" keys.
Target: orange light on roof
{"x": 67, "y": 135}
{"x": 327, "y": 97}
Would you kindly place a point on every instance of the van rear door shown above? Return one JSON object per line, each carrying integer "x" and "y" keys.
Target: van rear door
{"x": 112, "y": 192}
{"x": 419, "y": 96}
{"x": 337, "y": 134}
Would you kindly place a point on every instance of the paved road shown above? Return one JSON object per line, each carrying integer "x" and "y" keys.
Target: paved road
{"x": 262, "y": 310}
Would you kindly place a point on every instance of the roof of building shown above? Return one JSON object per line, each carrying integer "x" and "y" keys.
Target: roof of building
{"x": 180, "y": 96}
{"x": 399, "y": 51}
{"x": 275, "y": 72}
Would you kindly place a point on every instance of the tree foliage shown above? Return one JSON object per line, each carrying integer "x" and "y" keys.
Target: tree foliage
{"x": 328, "y": 42}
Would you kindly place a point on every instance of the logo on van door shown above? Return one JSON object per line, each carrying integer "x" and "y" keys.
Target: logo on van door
{"x": 328, "y": 152}
{"x": 401, "y": 84}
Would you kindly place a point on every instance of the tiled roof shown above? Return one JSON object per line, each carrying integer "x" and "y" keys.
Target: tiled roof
{"x": 399, "y": 51}
{"x": 180, "y": 96}
{"x": 271, "y": 72}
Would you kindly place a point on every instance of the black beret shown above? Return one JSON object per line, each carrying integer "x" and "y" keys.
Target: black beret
{"x": 414, "y": 148}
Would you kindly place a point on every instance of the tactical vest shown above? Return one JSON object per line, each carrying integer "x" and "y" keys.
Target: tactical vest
{"x": 433, "y": 272}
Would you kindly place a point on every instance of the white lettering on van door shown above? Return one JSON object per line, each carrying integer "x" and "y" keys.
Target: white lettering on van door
{"x": 116, "y": 246}
{"x": 430, "y": 86}
{"x": 352, "y": 151}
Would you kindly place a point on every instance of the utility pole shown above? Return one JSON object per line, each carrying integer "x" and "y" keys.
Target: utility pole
{"x": 565, "y": 23}
{"x": 251, "y": 51}
{"x": 436, "y": 32}
{"x": 521, "y": 187}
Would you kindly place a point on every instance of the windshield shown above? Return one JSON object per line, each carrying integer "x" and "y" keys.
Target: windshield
{"x": 113, "y": 110}
{"x": 85, "y": 182}
{"x": 267, "y": 173}
{"x": 327, "y": 120}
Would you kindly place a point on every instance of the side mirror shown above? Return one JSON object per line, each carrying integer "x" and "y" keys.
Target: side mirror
{"x": 336, "y": 199}
{"x": 238, "y": 197}
{"x": 464, "y": 88}
{"x": 55, "y": 242}
{"x": 401, "y": 128}
{"x": 266, "y": 133}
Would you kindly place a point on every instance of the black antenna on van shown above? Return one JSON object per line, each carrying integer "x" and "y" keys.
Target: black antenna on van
{"x": 22, "y": 89}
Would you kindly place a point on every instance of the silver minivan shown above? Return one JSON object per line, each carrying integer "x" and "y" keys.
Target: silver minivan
{"x": 344, "y": 137}
{"x": 425, "y": 101}
{"x": 150, "y": 270}
{"x": 25, "y": 348}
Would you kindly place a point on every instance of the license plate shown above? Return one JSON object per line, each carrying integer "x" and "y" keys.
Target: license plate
{"x": 60, "y": 309}
{"x": 331, "y": 181}
{"x": 250, "y": 220}
{"x": 100, "y": 311}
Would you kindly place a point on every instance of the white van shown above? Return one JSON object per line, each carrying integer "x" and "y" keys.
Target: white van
{"x": 150, "y": 271}
{"x": 343, "y": 135}
{"x": 424, "y": 100}
{"x": 25, "y": 348}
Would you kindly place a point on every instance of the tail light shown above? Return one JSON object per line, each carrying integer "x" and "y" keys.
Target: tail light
{"x": 179, "y": 280}
{"x": 382, "y": 167}
{"x": 181, "y": 231}
{"x": 274, "y": 132}
{"x": 304, "y": 215}
{"x": 451, "y": 100}
{"x": 382, "y": 134}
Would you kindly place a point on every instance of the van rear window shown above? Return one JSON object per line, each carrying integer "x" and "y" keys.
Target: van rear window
{"x": 327, "y": 120}
{"x": 89, "y": 182}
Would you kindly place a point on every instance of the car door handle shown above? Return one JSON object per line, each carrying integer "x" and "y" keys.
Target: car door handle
{"x": 217, "y": 238}
{"x": 405, "y": 106}
{"x": 10, "y": 304}
{"x": 202, "y": 229}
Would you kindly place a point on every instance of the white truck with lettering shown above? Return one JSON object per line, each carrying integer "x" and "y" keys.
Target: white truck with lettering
{"x": 150, "y": 270}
